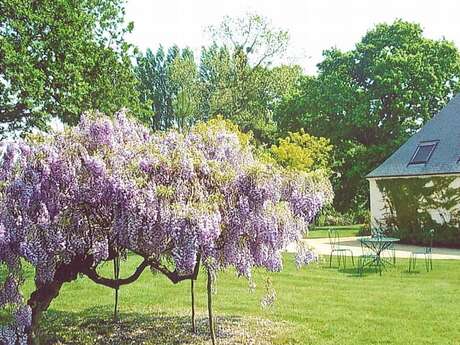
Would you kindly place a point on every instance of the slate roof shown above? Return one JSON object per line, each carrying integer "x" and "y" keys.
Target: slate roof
{"x": 444, "y": 127}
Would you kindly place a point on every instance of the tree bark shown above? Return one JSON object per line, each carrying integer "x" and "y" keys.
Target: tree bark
{"x": 196, "y": 270}
{"x": 210, "y": 316}
{"x": 192, "y": 292}
{"x": 116, "y": 273}
{"x": 44, "y": 294}
{"x": 39, "y": 301}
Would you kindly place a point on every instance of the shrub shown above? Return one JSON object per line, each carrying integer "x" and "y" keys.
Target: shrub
{"x": 304, "y": 152}
{"x": 329, "y": 216}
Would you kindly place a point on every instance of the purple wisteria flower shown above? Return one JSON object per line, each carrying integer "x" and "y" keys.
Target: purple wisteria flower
{"x": 305, "y": 256}
{"x": 109, "y": 184}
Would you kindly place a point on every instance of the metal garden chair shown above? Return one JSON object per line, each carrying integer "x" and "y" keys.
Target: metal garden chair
{"x": 426, "y": 252}
{"x": 367, "y": 258}
{"x": 382, "y": 233}
{"x": 334, "y": 241}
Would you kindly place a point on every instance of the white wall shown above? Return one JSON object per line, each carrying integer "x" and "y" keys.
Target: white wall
{"x": 378, "y": 205}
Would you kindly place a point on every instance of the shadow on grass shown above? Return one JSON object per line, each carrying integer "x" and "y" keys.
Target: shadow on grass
{"x": 412, "y": 272}
{"x": 95, "y": 326}
{"x": 352, "y": 271}
{"x": 367, "y": 271}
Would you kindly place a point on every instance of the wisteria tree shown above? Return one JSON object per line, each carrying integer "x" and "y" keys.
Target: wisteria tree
{"x": 70, "y": 201}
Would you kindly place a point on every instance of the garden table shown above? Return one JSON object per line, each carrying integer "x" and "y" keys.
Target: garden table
{"x": 378, "y": 245}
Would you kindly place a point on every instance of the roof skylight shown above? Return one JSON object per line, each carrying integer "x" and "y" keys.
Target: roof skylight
{"x": 423, "y": 152}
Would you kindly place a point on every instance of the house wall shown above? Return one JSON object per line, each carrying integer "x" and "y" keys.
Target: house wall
{"x": 378, "y": 204}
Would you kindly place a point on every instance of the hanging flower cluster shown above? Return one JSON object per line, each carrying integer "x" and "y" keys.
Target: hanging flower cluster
{"x": 110, "y": 185}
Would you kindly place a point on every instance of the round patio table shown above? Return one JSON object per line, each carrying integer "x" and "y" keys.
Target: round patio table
{"x": 378, "y": 245}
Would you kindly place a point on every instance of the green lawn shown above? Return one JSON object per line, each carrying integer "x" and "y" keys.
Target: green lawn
{"x": 315, "y": 305}
{"x": 344, "y": 231}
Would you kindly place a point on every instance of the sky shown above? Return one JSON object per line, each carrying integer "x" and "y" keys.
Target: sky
{"x": 314, "y": 25}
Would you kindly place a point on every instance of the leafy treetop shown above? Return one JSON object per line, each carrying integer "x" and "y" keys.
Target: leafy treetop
{"x": 370, "y": 99}
{"x": 60, "y": 58}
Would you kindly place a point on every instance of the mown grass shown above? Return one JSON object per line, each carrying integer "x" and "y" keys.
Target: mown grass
{"x": 344, "y": 231}
{"x": 315, "y": 305}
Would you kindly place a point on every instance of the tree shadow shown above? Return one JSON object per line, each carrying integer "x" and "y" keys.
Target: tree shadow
{"x": 95, "y": 326}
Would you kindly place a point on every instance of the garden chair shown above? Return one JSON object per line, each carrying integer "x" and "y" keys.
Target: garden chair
{"x": 381, "y": 232}
{"x": 392, "y": 251}
{"x": 426, "y": 252}
{"x": 334, "y": 241}
{"x": 367, "y": 258}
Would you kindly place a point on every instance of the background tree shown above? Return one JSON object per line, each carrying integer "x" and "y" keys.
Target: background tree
{"x": 237, "y": 76}
{"x": 184, "y": 77}
{"x": 369, "y": 100}
{"x": 244, "y": 94}
{"x": 233, "y": 78}
{"x": 169, "y": 81}
{"x": 252, "y": 35}
{"x": 60, "y": 58}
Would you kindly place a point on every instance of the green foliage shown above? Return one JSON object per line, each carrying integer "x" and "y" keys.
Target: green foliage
{"x": 369, "y": 100}
{"x": 238, "y": 79}
{"x": 60, "y": 58}
{"x": 245, "y": 94}
{"x": 233, "y": 79}
{"x": 183, "y": 73}
{"x": 302, "y": 151}
{"x": 169, "y": 82}
{"x": 412, "y": 203}
{"x": 330, "y": 217}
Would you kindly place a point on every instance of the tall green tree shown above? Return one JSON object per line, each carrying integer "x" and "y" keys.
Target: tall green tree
{"x": 184, "y": 77}
{"x": 170, "y": 82}
{"x": 253, "y": 35}
{"x": 369, "y": 100}
{"x": 234, "y": 78}
{"x": 238, "y": 80}
{"x": 60, "y": 58}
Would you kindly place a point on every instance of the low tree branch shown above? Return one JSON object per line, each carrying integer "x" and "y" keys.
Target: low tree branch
{"x": 115, "y": 283}
{"x": 174, "y": 276}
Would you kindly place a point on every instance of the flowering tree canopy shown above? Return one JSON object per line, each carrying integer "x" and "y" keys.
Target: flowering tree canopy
{"x": 71, "y": 200}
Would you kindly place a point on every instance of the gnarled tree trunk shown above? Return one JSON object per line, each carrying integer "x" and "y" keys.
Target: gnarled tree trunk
{"x": 44, "y": 294}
